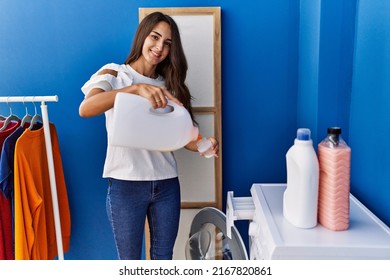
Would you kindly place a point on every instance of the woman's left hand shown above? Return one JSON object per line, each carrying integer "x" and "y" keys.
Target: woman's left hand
{"x": 215, "y": 146}
{"x": 192, "y": 146}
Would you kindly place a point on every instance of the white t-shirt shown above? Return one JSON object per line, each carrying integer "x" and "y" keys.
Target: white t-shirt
{"x": 123, "y": 162}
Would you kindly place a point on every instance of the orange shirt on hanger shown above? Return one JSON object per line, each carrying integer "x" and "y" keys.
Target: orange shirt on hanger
{"x": 34, "y": 220}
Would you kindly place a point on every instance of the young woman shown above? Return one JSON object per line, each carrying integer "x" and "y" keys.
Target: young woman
{"x": 143, "y": 183}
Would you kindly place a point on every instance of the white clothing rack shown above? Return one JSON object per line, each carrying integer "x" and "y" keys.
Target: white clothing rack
{"x": 50, "y": 161}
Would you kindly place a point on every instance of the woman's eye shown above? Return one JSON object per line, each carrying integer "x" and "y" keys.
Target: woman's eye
{"x": 168, "y": 44}
{"x": 154, "y": 37}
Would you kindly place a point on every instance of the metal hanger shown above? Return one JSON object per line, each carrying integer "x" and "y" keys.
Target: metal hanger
{"x": 36, "y": 118}
{"x": 27, "y": 117}
{"x": 9, "y": 119}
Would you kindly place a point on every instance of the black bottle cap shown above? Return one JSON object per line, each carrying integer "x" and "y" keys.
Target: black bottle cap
{"x": 334, "y": 130}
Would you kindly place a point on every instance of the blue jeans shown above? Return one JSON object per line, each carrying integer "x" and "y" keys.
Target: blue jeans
{"x": 128, "y": 204}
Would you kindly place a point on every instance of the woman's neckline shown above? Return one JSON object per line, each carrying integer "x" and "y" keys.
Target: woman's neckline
{"x": 155, "y": 77}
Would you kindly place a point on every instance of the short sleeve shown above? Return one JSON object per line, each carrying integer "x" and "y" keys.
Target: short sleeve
{"x": 103, "y": 81}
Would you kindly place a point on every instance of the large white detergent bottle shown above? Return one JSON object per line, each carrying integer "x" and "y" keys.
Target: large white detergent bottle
{"x": 300, "y": 198}
{"x": 137, "y": 124}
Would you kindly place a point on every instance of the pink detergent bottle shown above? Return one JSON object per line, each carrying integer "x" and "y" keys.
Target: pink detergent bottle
{"x": 334, "y": 158}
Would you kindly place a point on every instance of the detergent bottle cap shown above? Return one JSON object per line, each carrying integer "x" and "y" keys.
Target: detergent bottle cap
{"x": 303, "y": 134}
{"x": 334, "y": 135}
{"x": 334, "y": 130}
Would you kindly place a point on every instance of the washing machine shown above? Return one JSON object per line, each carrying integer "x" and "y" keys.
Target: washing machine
{"x": 213, "y": 234}
{"x": 208, "y": 238}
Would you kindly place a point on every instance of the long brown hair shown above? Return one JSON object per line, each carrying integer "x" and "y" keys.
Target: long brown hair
{"x": 174, "y": 67}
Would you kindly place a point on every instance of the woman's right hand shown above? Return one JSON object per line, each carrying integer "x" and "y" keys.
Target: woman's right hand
{"x": 156, "y": 95}
{"x": 99, "y": 101}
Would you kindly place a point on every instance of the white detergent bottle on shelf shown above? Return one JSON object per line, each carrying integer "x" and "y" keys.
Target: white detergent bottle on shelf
{"x": 334, "y": 157}
{"x": 300, "y": 198}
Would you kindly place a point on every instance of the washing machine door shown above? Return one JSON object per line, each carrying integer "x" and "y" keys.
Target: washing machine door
{"x": 208, "y": 239}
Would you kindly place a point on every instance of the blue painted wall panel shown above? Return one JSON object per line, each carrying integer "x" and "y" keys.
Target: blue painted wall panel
{"x": 370, "y": 103}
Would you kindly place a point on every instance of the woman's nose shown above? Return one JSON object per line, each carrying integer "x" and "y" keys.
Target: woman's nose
{"x": 160, "y": 44}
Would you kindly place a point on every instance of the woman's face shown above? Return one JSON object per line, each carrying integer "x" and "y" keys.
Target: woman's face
{"x": 157, "y": 44}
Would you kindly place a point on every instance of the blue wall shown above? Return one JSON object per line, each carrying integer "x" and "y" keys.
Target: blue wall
{"x": 277, "y": 73}
{"x": 326, "y": 40}
{"x": 370, "y": 102}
